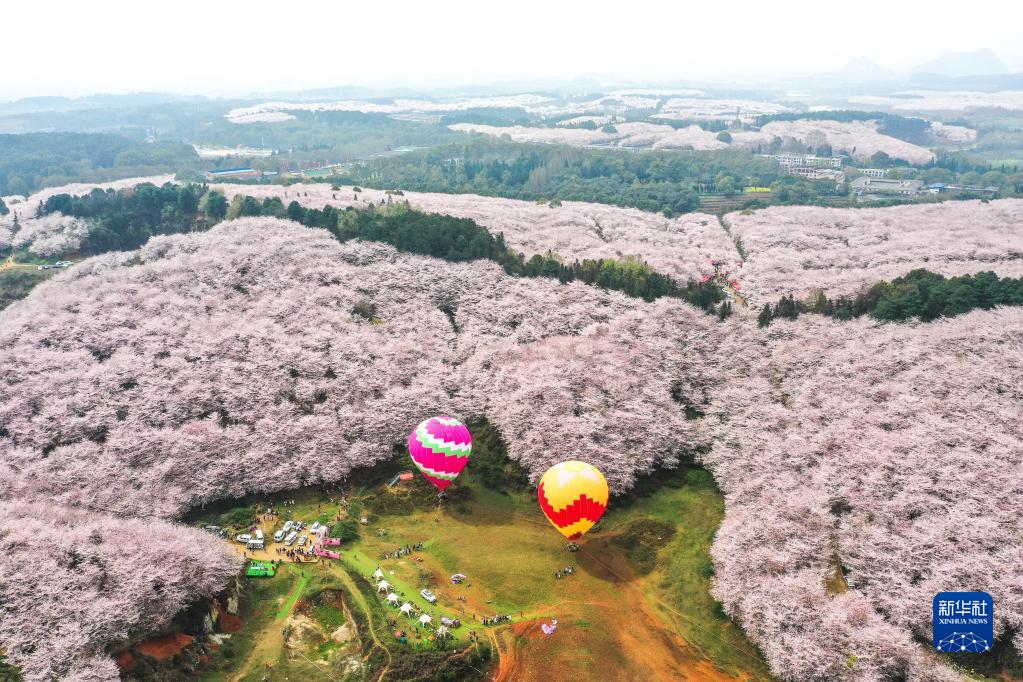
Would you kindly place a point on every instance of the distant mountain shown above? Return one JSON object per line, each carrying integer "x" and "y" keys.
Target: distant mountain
{"x": 861, "y": 69}
{"x": 956, "y": 64}
{"x": 31, "y": 104}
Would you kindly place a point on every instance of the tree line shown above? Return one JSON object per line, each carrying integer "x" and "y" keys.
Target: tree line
{"x": 919, "y": 294}
{"x": 665, "y": 182}
{"x": 463, "y": 239}
{"x": 125, "y": 220}
{"x": 31, "y": 161}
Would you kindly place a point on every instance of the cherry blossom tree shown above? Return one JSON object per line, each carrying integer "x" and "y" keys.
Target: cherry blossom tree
{"x": 208, "y": 366}
{"x": 889, "y": 453}
{"x": 865, "y": 466}
{"x": 860, "y": 139}
{"x": 54, "y": 234}
{"x": 682, "y": 247}
{"x": 795, "y": 249}
{"x": 634, "y": 134}
{"x": 50, "y": 235}
{"x": 74, "y": 583}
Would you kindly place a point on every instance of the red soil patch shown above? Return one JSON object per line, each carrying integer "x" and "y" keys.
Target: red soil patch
{"x": 165, "y": 648}
{"x": 229, "y": 623}
{"x": 125, "y": 661}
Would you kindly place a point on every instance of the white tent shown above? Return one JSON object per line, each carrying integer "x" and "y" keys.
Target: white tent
{"x": 406, "y": 608}
{"x": 426, "y": 619}
{"x": 392, "y": 598}
{"x": 383, "y": 586}
{"x": 378, "y": 574}
{"x": 443, "y": 631}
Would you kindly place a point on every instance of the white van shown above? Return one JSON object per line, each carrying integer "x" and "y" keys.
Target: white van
{"x": 254, "y": 544}
{"x": 279, "y": 535}
{"x": 316, "y": 528}
{"x": 244, "y": 538}
{"x": 258, "y": 535}
{"x": 290, "y": 540}
{"x": 301, "y": 540}
{"x": 288, "y": 526}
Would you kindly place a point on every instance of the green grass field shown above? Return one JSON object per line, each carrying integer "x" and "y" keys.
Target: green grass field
{"x": 637, "y": 607}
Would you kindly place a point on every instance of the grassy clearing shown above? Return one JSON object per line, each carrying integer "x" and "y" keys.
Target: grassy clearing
{"x": 682, "y": 581}
{"x": 657, "y": 544}
{"x": 637, "y": 607}
{"x": 17, "y": 283}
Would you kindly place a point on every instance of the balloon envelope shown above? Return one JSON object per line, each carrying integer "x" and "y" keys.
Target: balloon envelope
{"x": 573, "y": 495}
{"x": 440, "y": 448}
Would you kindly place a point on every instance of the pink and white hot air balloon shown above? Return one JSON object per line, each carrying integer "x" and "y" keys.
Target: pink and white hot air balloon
{"x": 440, "y": 448}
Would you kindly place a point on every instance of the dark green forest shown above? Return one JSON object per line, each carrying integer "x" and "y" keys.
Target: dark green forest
{"x": 31, "y": 161}
{"x": 669, "y": 182}
{"x": 920, "y": 294}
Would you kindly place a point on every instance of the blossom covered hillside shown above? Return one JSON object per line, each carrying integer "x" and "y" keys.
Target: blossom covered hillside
{"x": 73, "y": 583}
{"x": 263, "y": 356}
{"x": 794, "y": 249}
{"x": 52, "y": 235}
{"x": 859, "y": 139}
{"x": 889, "y": 452}
{"x": 682, "y": 247}
{"x": 637, "y": 134}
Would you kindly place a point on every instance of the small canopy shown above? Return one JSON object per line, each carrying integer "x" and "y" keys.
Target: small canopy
{"x": 378, "y": 574}
{"x": 383, "y": 586}
{"x": 406, "y": 608}
{"x": 426, "y": 619}
{"x": 443, "y": 631}
{"x": 392, "y": 598}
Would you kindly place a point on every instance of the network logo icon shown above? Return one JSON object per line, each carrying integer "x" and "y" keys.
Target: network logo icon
{"x": 964, "y": 622}
{"x": 963, "y": 641}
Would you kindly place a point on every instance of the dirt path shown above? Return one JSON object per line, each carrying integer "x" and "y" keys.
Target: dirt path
{"x": 638, "y": 644}
{"x": 357, "y": 596}
{"x": 269, "y": 644}
{"x": 12, "y": 264}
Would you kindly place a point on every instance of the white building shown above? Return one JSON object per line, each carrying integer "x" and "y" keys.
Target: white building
{"x": 865, "y": 185}
{"x": 805, "y": 160}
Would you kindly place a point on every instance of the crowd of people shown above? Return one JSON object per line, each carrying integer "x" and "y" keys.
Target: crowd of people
{"x": 402, "y": 551}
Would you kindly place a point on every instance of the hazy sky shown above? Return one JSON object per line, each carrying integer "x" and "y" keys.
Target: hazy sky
{"x": 234, "y": 47}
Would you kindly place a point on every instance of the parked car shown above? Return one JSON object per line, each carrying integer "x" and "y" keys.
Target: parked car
{"x": 288, "y": 526}
{"x": 302, "y": 540}
{"x": 290, "y": 540}
{"x": 244, "y": 538}
{"x": 450, "y": 622}
{"x": 429, "y": 596}
{"x": 279, "y": 535}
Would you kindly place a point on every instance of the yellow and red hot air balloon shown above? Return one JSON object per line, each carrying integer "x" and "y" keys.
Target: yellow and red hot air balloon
{"x": 573, "y": 495}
